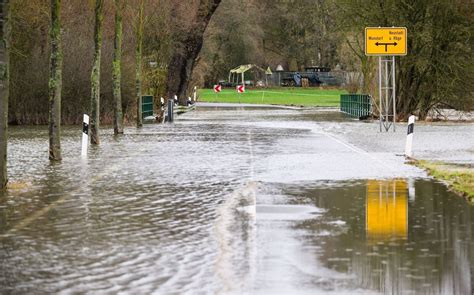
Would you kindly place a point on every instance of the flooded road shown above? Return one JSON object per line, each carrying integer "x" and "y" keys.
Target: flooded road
{"x": 255, "y": 201}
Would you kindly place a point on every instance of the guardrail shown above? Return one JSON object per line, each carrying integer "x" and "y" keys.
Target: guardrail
{"x": 147, "y": 106}
{"x": 356, "y": 105}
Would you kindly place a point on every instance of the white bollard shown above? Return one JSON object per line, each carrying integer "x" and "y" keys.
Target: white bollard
{"x": 195, "y": 94}
{"x": 409, "y": 144}
{"x": 85, "y": 135}
{"x": 162, "y": 100}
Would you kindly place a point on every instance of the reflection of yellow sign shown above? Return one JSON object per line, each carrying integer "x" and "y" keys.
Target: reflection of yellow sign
{"x": 387, "y": 209}
{"x": 386, "y": 41}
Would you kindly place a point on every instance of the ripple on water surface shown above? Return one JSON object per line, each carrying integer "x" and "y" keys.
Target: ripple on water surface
{"x": 204, "y": 206}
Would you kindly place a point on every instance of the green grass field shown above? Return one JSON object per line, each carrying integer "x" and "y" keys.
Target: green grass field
{"x": 280, "y": 96}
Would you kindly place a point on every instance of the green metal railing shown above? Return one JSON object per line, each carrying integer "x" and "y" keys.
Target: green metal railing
{"x": 147, "y": 106}
{"x": 356, "y": 105}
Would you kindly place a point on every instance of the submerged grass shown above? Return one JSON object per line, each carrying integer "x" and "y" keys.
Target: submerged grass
{"x": 460, "y": 178}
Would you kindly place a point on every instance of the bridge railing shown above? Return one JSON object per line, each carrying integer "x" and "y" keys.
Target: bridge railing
{"x": 147, "y": 106}
{"x": 356, "y": 105}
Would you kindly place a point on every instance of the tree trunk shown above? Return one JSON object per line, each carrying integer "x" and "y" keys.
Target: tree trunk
{"x": 55, "y": 83}
{"x": 138, "y": 68}
{"x": 187, "y": 49}
{"x": 95, "y": 76}
{"x": 117, "y": 70}
{"x": 4, "y": 88}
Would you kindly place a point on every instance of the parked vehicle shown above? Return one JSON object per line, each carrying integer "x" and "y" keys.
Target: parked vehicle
{"x": 315, "y": 76}
{"x": 225, "y": 83}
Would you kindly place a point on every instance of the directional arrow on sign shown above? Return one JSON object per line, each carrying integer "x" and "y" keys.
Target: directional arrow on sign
{"x": 217, "y": 88}
{"x": 385, "y": 44}
{"x": 240, "y": 88}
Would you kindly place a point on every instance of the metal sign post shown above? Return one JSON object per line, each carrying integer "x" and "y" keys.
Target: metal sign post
{"x": 386, "y": 43}
{"x": 387, "y": 93}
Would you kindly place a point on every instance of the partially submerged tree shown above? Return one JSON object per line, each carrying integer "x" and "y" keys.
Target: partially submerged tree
{"x": 138, "y": 69}
{"x": 95, "y": 75}
{"x": 4, "y": 88}
{"x": 117, "y": 69}
{"x": 188, "y": 44}
{"x": 55, "y": 83}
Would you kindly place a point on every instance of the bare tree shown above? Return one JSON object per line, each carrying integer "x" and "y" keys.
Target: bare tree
{"x": 138, "y": 55}
{"x": 4, "y": 89}
{"x": 117, "y": 69}
{"x": 188, "y": 44}
{"x": 95, "y": 76}
{"x": 55, "y": 83}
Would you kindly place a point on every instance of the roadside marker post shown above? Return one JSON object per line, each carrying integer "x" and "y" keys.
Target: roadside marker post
{"x": 162, "y": 104}
{"x": 85, "y": 136}
{"x": 195, "y": 94}
{"x": 409, "y": 143}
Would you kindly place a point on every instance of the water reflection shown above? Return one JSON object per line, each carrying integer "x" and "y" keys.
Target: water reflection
{"x": 392, "y": 243}
{"x": 387, "y": 210}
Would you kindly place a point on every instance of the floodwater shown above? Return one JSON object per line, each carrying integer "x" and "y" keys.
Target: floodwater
{"x": 254, "y": 201}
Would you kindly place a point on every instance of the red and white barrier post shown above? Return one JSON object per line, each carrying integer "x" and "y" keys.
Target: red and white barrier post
{"x": 240, "y": 89}
{"x": 217, "y": 89}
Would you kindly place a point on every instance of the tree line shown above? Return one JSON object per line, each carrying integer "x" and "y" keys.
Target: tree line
{"x": 194, "y": 16}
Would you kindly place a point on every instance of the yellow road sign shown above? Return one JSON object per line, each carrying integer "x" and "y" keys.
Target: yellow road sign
{"x": 386, "y": 41}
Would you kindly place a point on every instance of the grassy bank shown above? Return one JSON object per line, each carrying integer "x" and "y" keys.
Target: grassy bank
{"x": 280, "y": 96}
{"x": 459, "y": 178}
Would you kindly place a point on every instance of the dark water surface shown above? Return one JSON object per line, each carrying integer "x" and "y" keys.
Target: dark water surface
{"x": 228, "y": 201}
